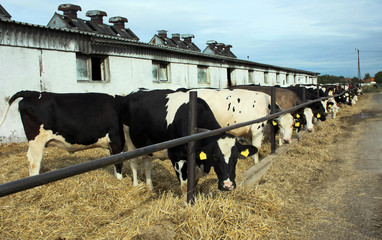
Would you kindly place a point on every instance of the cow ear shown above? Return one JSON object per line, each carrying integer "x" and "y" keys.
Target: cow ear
{"x": 246, "y": 150}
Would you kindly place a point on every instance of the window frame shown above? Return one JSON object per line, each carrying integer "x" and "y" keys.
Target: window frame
{"x": 203, "y": 70}
{"x": 161, "y": 67}
{"x": 97, "y": 68}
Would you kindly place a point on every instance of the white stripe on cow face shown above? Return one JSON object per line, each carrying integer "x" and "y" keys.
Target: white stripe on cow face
{"x": 175, "y": 100}
{"x": 309, "y": 119}
{"x": 225, "y": 146}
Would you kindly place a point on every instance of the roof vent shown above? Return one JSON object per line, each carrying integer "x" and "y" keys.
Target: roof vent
{"x": 176, "y": 37}
{"x": 96, "y": 16}
{"x": 211, "y": 43}
{"x": 187, "y": 37}
{"x": 118, "y": 22}
{"x": 69, "y": 10}
{"x": 162, "y": 33}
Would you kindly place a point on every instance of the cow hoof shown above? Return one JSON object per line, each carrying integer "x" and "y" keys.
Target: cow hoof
{"x": 118, "y": 176}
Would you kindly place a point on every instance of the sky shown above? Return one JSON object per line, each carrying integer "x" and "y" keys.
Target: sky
{"x": 314, "y": 35}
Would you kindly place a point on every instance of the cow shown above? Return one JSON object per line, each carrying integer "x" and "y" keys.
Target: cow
{"x": 319, "y": 108}
{"x": 151, "y": 117}
{"x": 286, "y": 99}
{"x": 231, "y": 106}
{"x": 72, "y": 121}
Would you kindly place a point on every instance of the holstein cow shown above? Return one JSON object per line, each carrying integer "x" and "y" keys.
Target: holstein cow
{"x": 231, "y": 106}
{"x": 69, "y": 121}
{"x": 318, "y": 108}
{"x": 286, "y": 99}
{"x": 151, "y": 117}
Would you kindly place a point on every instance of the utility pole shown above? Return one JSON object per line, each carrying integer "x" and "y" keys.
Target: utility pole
{"x": 359, "y": 69}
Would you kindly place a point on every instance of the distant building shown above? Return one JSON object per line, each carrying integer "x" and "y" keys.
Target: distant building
{"x": 87, "y": 55}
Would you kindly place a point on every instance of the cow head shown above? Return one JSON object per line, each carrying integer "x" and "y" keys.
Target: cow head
{"x": 284, "y": 124}
{"x": 319, "y": 110}
{"x": 309, "y": 115}
{"x": 222, "y": 154}
{"x": 299, "y": 119}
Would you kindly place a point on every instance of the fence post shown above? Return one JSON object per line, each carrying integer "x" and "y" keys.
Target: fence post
{"x": 273, "y": 107}
{"x": 318, "y": 90}
{"x": 192, "y": 118}
{"x": 303, "y": 94}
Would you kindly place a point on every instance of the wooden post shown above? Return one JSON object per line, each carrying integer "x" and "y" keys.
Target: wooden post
{"x": 192, "y": 118}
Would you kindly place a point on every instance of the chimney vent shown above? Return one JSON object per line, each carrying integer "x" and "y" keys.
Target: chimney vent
{"x": 118, "y": 22}
{"x": 220, "y": 46}
{"x": 69, "y": 10}
{"x": 211, "y": 43}
{"x": 96, "y": 16}
{"x": 176, "y": 37}
{"x": 162, "y": 33}
{"x": 227, "y": 47}
{"x": 187, "y": 38}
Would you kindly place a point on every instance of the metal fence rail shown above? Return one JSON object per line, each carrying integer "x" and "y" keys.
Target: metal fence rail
{"x": 55, "y": 175}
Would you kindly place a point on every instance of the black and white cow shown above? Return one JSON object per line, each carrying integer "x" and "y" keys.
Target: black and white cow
{"x": 72, "y": 122}
{"x": 231, "y": 106}
{"x": 286, "y": 99}
{"x": 318, "y": 108}
{"x": 151, "y": 117}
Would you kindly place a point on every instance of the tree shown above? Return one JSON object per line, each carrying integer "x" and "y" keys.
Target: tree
{"x": 378, "y": 77}
{"x": 367, "y": 76}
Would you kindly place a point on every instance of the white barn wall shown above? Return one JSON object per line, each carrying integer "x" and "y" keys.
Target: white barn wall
{"x": 47, "y": 65}
{"x": 20, "y": 70}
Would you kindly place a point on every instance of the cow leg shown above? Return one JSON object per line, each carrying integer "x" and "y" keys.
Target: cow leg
{"x": 34, "y": 154}
{"x": 118, "y": 170}
{"x": 134, "y": 167}
{"x": 116, "y": 145}
{"x": 147, "y": 161}
{"x": 256, "y": 139}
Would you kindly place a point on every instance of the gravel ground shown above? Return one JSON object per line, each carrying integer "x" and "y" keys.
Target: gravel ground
{"x": 349, "y": 200}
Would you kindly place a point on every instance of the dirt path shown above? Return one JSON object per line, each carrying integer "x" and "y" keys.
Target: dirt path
{"x": 349, "y": 202}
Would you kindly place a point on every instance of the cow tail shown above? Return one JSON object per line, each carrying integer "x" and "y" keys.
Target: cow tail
{"x": 23, "y": 94}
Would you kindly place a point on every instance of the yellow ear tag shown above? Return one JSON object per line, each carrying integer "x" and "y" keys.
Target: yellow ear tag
{"x": 202, "y": 156}
{"x": 245, "y": 153}
{"x": 274, "y": 123}
{"x": 297, "y": 115}
{"x": 318, "y": 115}
{"x": 297, "y": 124}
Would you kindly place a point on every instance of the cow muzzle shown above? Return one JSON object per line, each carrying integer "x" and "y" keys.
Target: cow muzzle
{"x": 226, "y": 186}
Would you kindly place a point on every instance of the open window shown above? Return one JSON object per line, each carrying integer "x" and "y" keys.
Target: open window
{"x": 93, "y": 68}
{"x": 251, "y": 76}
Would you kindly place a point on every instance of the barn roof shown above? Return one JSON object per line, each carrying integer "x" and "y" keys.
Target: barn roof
{"x": 100, "y": 38}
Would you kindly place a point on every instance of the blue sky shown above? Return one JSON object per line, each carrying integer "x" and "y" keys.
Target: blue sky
{"x": 315, "y": 35}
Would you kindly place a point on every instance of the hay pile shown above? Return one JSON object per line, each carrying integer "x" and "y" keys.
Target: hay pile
{"x": 97, "y": 206}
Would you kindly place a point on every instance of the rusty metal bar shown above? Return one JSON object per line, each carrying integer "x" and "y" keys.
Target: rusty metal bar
{"x": 192, "y": 124}
{"x": 52, "y": 176}
{"x": 273, "y": 110}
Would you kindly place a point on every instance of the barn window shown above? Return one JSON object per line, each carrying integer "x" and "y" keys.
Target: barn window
{"x": 278, "y": 76}
{"x": 160, "y": 71}
{"x": 203, "y": 74}
{"x": 93, "y": 68}
{"x": 251, "y": 76}
{"x": 266, "y": 75}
